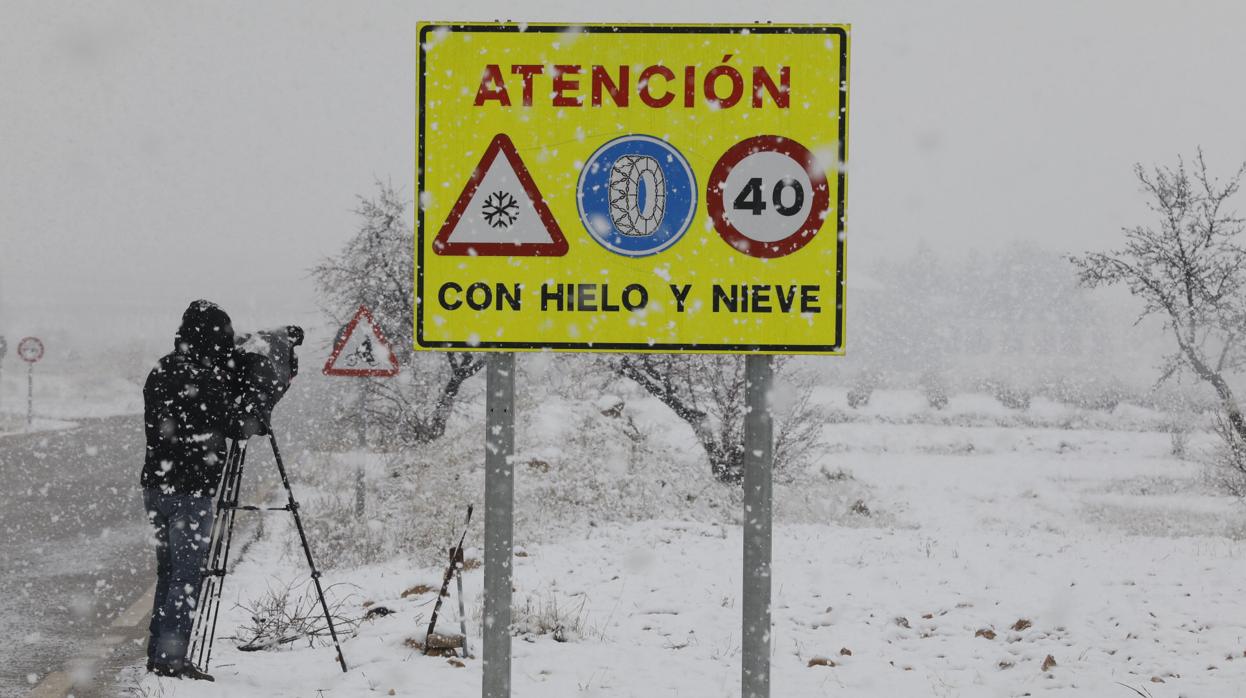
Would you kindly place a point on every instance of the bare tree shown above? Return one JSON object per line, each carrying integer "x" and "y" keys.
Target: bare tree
{"x": 1189, "y": 269}
{"x": 707, "y": 392}
{"x": 376, "y": 268}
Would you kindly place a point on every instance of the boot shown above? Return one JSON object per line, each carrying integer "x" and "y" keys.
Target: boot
{"x": 190, "y": 671}
{"x": 154, "y": 667}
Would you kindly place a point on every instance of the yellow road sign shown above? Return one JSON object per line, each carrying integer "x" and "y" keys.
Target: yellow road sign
{"x": 631, "y": 187}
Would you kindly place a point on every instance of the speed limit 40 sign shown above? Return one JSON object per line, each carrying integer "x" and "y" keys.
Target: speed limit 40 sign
{"x": 768, "y": 197}
{"x": 676, "y": 188}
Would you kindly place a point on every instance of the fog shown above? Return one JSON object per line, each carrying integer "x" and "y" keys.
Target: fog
{"x": 153, "y": 154}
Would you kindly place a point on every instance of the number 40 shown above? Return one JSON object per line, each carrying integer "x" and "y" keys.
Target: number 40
{"x": 749, "y": 198}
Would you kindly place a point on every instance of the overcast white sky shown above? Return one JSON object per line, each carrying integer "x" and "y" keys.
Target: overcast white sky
{"x": 154, "y": 152}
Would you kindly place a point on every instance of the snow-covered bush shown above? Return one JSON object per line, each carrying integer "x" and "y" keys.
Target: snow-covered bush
{"x": 285, "y": 613}
{"x": 590, "y": 450}
{"x": 343, "y": 539}
{"x": 798, "y": 423}
{"x": 544, "y": 614}
{"x": 576, "y": 465}
{"x": 707, "y": 392}
{"x": 1226, "y": 467}
{"x": 1012, "y": 396}
{"x": 1086, "y": 392}
{"x": 607, "y": 460}
{"x": 934, "y": 389}
{"x": 1179, "y": 438}
{"x": 1105, "y": 395}
{"x": 862, "y": 389}
{"x": 567, "y": 376}
{"x": 416, "y": 499}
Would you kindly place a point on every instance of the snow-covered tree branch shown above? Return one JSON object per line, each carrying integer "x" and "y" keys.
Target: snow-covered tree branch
{"x": 376, "y": 268}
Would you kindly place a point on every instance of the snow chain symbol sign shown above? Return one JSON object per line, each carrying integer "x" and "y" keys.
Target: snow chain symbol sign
{"x": 631, "y": 187}
{"x": 637, "y": 196}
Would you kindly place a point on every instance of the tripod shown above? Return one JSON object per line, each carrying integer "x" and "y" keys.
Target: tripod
{"x": 209, "y": 605}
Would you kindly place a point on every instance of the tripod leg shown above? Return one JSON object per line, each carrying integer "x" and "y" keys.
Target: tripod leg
{"x": 218, "y": 556}
{"x": 211, "y": 584}
{"x": 298, "y": 523}
{"x": 223, "y": 569}
{"x": 207, "y": 587}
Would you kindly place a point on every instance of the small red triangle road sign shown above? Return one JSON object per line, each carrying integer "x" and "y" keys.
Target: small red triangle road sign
{"x": 501, "y": 213}
{"x": 362, "y": 350}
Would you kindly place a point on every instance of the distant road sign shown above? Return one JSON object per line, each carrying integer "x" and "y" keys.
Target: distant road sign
{"x": 631, "y": 187}
{"x": 362, "y": 350}
{"x": 30, "y": 349}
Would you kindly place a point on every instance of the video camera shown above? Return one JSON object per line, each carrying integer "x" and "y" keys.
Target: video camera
{"x": 264, "y": 364}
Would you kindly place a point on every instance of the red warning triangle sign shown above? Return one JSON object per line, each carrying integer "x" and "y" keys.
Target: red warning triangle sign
{"x": 501, "y": 213}
{"x": 362, "y": 350}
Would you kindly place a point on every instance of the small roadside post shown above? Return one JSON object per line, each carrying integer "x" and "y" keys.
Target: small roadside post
{"x": 361, "y": 351}
{"x": 4, "y": 349}
{"x": 30, "y": 349}
{"x": 642, "y": 188}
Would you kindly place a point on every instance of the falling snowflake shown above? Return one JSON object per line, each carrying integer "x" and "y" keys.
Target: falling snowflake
{"x": 500, "y": 209}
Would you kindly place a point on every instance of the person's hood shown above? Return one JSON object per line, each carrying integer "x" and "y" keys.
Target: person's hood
{"x": 206, "y": 333}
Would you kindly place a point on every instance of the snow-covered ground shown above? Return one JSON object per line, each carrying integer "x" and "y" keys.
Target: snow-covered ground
{"x": 61, "y": 395}
{"x": 17, "y": 424}
{"x": 923, "y": 554}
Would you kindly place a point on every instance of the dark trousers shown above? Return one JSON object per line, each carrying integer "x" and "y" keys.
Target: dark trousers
{"x": 183, "y": 529}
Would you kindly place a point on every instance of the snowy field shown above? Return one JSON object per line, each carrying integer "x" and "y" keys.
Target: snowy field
{"x": 974, "y": 551}
{"x": 62, "y": 394}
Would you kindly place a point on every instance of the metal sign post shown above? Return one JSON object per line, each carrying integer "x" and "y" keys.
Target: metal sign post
{"x": 360, "y": 490}
{"x": 758, "y": 462}
{"x": 361, "y": 351}
{"x": 499, "y": 522}
{"x": 30, "y": 349}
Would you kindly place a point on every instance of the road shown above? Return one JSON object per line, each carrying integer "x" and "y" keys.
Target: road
{"x": 74, "y": 546}
{"x": 76, "y": 566}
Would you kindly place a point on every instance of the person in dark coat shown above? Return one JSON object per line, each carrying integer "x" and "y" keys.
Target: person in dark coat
{"x": 192, "y": 404}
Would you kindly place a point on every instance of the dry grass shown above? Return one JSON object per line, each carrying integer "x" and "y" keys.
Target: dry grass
{"x": 286, "y": 613}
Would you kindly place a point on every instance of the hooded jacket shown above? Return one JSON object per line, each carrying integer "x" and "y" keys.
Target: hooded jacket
{"x": 190, "y": 404}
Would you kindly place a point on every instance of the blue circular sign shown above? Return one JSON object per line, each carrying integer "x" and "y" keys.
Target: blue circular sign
{"x": 637, "y": 195}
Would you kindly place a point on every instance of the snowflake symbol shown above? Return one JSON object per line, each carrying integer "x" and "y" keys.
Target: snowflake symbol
{"x": 500, "y": 209}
